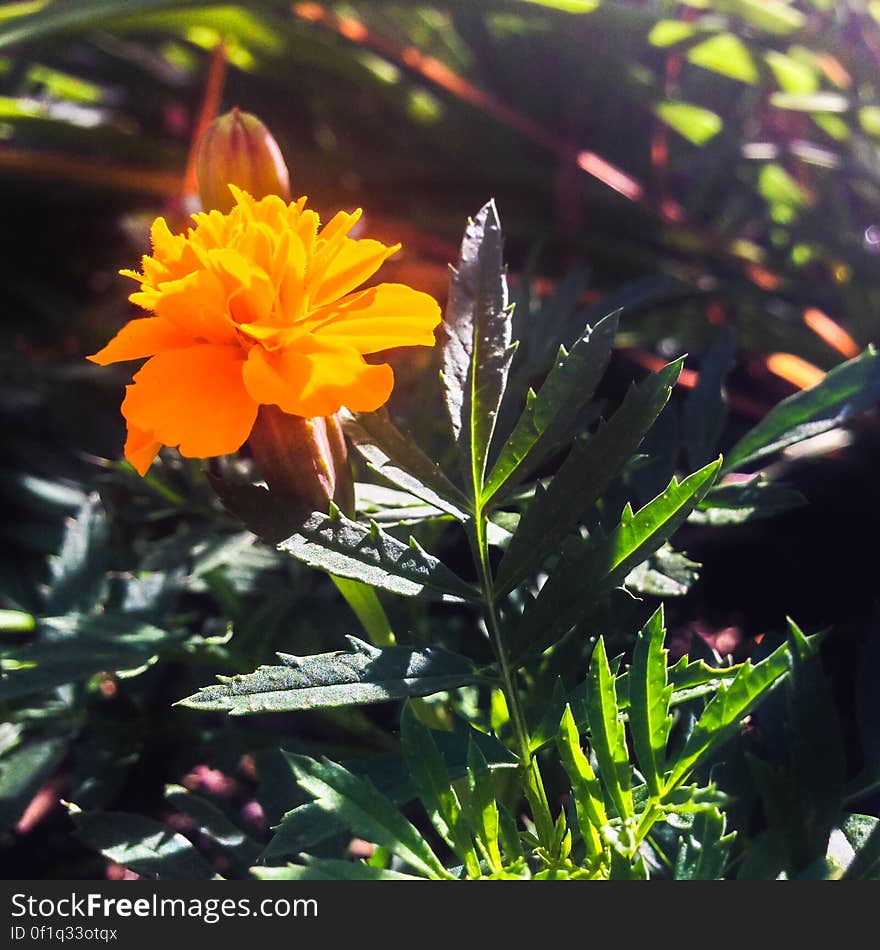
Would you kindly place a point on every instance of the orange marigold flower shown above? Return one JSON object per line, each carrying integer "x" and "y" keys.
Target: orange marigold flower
{"x": 258, "y": 307}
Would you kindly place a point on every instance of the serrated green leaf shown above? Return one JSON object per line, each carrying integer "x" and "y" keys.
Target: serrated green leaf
{"x": 604, "y": 562}
{"x": 549, "y": 415}
{"x": 477, "y": 346}
{"x": 725, "y": 712}
{"x": 583, "y": 476}
{"x": 357, "y": 804}
{"x": 430, "y": 776}
{"x": 585, "y": 787}
{"x": 142, "y": 845}
{"x": 366, "y": 674}
{"x": 307, "y": 825}
{"x": 346, "y": 548}
{"x": 607, "y": 734}
{"x": 704, "y": 849}
{"x": 482, "y": 808}
{"x": 846, "y": 390}
{"x": 330, "y": 869}
{"x": 395, "y": 456}
{"x": 689, "y": 680}
{"x": 649, "y": 697}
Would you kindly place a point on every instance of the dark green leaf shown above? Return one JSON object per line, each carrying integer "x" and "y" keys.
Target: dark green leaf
{"x": 705, "y": 410}
{"x": 583, "y": 476}
{"x": 213, "y": 823}
{"x": 547, "y": 420}
{"x": 142, "y": 845}
{"x": 738, "y": 502}
{"x": 704, "y": 848}
{"x": 367, "y": 674}
{"x": 482, "y": 808}
{"x": 846, "y": 390}
{"x": 430, "y": 777}
{"x": 307, "y": 825}
{"x": 346, "y": 548}
{"x": 395, "y": 456}
{"x": 78, "y": 573}
{"x": 365, "y": 811}
{"x": 477, "y": 343}
{"x": 107, "y": 642}
{"x": 731, "y": 704}
{"x": 604, "y": 562}
{"x": 22, "y": 772}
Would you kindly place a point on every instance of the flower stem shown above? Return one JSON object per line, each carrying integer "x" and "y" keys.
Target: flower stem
{"x": 534, "y": 785}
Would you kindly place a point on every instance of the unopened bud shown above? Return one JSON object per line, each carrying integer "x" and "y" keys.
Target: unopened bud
{"x": 305, "y": 460}
{"x": 237, "y": 149}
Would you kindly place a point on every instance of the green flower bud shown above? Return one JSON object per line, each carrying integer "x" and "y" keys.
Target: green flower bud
{"x": 237, "y": 149}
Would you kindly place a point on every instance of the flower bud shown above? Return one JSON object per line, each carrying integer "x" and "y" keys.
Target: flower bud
{"x": 305, "y": 460}
{"x": 237, "y": 149}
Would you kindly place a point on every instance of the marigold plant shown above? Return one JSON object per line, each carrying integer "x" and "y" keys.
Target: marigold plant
{"x": 258, "y": 307}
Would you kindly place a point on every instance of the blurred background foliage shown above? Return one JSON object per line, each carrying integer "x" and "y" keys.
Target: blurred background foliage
{"x": 713, "y": 167}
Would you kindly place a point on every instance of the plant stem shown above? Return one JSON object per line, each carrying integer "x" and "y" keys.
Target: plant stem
{"x": 534, "y": 785}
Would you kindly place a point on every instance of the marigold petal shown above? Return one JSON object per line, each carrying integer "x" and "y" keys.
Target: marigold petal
{"x": 194, "y": 398}
{"x": 141, "y": 449}
{"x": 350, "y": 266}
{"x": 197, "y": 304}
{"x": 380, "y": 318}
{"x": 313, "y": 380}
{"x": 142, "y": 337}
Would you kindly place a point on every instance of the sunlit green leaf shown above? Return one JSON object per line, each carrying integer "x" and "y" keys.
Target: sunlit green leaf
{"x": 477, "y": 346}
{"x": 649, "y": 697}
{"x": 846, "y": 390}
{"x": 359, "y": 806}
{"x": 583, "y": 476}
{"x": 607, "y": 734}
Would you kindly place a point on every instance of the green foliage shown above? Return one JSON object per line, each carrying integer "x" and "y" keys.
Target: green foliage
{"x": 845, "y": 390}
{"x": 367, "y": 674}
{"x": 477, "y": 348}
{"x": 345, "y": 548}
{"x": 576, "y": 497}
